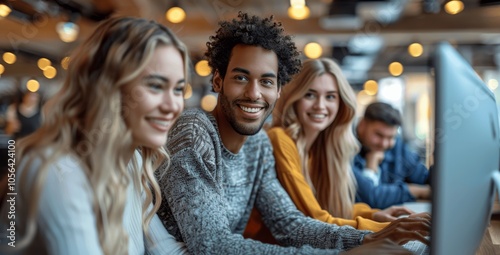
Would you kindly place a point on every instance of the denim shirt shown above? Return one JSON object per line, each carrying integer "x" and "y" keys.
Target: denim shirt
{"x": 399, "y": 167}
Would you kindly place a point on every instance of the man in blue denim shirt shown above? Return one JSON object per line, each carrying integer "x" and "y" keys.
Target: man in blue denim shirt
{"x": 387, "y": 172}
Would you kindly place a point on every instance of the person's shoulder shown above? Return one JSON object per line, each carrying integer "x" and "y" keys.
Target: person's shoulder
{"x": 277, "y": 133}
{"x": 66, "y": 168}
{"x": 280, "y": 138}
{"x": 193, "y": 118}
{"x": 195, "y": 129}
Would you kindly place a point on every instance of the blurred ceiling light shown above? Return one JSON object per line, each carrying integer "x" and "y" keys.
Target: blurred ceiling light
{"x": 43, "y": 63}
{"x": 202, "y": 68}
{"x": 175, "y": 14}
{"x": 2, "y": 69}
{"x": 65, "y": 63}
{"x": 67, "y": 31}
{"x": 415, "y": 50}
{"x": 493, "y": 84}
{"x": 33, "y": 85}
{"x": 370, "y": 87}
{"x": 188, "y": 93}
{"x": 4, "y": 10}
{"x": 395, "y": 69}
{"x": 9, "y": 57}
{"x": 50, "y": 72}
{"x": 208, "y": 102}
{"x": 297, "y": 3}
{"x": 454, "y": 7}
{"x": 298, "y": 13}
{"x": 313, "y": 50}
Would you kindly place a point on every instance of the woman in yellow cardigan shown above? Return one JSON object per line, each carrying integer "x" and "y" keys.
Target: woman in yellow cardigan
{"x": 314, "y": 145}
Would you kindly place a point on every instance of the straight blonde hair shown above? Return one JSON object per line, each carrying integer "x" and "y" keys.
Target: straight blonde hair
{"x": 327, "y": 165}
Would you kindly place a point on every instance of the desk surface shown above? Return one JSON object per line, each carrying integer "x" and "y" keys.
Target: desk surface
{"x": 491, "y": 240}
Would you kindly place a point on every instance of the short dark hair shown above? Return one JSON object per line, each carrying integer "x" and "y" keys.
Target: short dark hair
{"x": 383, "y": 112}
{"x": 253, "y": 30}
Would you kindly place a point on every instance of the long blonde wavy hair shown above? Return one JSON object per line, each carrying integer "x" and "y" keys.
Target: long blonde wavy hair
{"x": 85, "y": 119}
{"x": 327, "y": 165}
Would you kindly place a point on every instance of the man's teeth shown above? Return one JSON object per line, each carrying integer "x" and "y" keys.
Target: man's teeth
{"x": 248, "y": 109}
{"x": 160, "y": 122}
{"x": 318, "y": 116}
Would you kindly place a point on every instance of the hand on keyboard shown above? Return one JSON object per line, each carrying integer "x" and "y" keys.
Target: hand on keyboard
{"x": 384, "y": 246}
{"x": 403, "y": 230}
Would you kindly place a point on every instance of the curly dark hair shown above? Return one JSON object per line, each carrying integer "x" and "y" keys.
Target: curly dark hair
{"x": 253, "y": 30}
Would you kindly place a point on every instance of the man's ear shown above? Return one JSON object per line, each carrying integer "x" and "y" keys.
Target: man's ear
{"x": 279, "y": 91}
{"x": 217, "y": 82}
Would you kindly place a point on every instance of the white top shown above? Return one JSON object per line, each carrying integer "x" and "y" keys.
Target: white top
{"x": 374, "y": 176}
{"x": 66, "y": 221}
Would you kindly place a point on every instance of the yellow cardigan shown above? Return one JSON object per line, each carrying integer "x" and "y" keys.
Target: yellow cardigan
{"x": 288, "y": 170}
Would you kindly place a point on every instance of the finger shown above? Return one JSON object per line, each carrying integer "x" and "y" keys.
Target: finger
{"x": 421, "y": 215}
{"x": 390, "y": 218}
{"x": 403, "y": 211}
{"x": 400, "y": 210}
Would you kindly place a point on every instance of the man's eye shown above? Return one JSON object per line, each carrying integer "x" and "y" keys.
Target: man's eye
{"x": 267, "y": 82}
{"x": 240, "y": 78}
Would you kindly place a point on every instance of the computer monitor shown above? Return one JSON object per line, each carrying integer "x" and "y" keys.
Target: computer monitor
{"x": 466, "y": 155}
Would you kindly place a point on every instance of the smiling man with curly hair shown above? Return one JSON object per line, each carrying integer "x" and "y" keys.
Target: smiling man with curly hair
{"x": 222, "y": 164}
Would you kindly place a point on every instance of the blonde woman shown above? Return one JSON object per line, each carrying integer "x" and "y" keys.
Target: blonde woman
{"x": 85, "y": 177}
{"x": 313, "y": 145}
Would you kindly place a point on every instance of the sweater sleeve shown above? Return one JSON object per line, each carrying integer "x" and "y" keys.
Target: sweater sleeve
{"x": 287, "y": 224}
{"x": 288, "y": 170}
{"x": 196, "y": 203}
{"x": 65, "y": 216}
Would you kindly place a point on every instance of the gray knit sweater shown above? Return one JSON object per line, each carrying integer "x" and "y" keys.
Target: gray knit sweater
{"x": 209, "y": 192}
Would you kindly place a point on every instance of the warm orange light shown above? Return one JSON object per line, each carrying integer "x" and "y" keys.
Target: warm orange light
{"x": 9, "y": 58}
{"x": 298, "y": 13}
{"x": 188, "y": 92}
{"x": 50, "y": 72}
{"x": 395, "y": 69}
{"x": 65, "y": 63}
{"x": 415, "y": 50}
{"x": 202, "y": 68}
{"x": 43, "y": 63}
{"x": 313, "y": 50}
{"x": 454, "y": 7}
{"x": 32, "y": 85}
{"x": 175, "y": 14}
{"x": 4, "y": 10}
{"x": 371, "y": 87}
{"x": 208, "y": 102}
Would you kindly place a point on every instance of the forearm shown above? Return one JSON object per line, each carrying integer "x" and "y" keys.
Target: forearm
{"x": 420, "y": 191}
{"x": 199, "y": 210}
{"x": 291, "y": 228}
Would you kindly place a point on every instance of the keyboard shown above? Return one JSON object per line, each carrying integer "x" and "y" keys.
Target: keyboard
{"x": 417, "y": 247}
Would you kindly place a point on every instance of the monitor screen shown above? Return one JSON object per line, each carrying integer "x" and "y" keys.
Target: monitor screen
{"x": 466, "y": 155}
